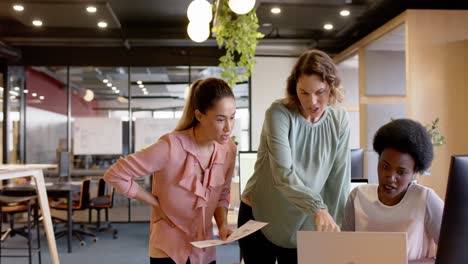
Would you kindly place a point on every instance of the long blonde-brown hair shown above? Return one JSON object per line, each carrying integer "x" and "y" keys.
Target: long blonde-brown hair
{"x": 319, "y": 63}
{"x": 203, "y": 95}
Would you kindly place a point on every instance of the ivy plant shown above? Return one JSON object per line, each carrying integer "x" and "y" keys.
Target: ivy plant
{"x": 239, "y": 35}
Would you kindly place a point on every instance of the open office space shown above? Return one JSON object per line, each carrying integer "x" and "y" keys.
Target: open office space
{"x": 84, "y": 83}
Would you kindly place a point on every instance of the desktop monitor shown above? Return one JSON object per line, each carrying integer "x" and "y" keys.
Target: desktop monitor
{"x": 357, "y": 164}
{"x": 454, "y": 230}
{"x": 63, "y": 163}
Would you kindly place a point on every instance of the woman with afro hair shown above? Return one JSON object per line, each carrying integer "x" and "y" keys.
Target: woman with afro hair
{"x": 397, "y": 203}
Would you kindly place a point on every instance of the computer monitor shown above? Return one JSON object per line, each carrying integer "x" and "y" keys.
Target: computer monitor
{"x": 454, "y": 230}
{"x": 63, "y": 165}
{"x": 356, "y": 182}
{"x": 357, "y": 164}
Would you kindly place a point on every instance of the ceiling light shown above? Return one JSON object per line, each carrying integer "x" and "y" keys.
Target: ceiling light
{"x": 1, "y": 88}
{"x": 18, "y": 8}
{"x": 241, "y": 7}
{"x": 200, "y": 11}
{"x": 91, "y": 9}
{"x": 109, "y": 84}
{"x": 105, "y": 81}
{"x": 26, "y": 91}
{"x": 37, "y": 23}
{"x": 139, "y": 82}
{"x": 16, "y": 88}
{"x": 12, "y": 97}
{"x": 34, "y": 94}
{"x": 141, "y": 85}
{"x": 275, "y": 10}
{"x": 114, "y": 88}
{"x": 14, "y": 93}
{"x": 266, "y": 25}
{"x": 102, "y": 24}
{"x": 328, "y": 26}
{"x": 198, "y": 32}
{"x": 122, "y": 100}
{"x": 116, "y": 91}
{"x": 344, "y": 12}
{"x": 89, "y": 95}
{"x": 145, "y": 93}
{"x": 144, "y": 90}
{"x": 41, "y": 97}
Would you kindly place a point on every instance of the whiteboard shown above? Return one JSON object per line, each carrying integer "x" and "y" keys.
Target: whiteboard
{"x": 149, "y": 130}
{"x": 97, "y": 136}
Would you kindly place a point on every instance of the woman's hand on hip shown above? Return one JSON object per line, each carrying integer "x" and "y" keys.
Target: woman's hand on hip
{"x": 224, "y": 232}
{"x": 160, "y": 215}
{"x": 324, "y": 222}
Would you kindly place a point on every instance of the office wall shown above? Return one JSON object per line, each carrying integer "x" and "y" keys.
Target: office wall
{"x": 269, "y": 77}
{"x": 438, "y": 84}
{"x": 55, "y": 94}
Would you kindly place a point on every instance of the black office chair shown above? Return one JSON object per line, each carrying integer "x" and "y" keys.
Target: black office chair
{"x": 11, "y": 205}
{"x": 77, "y": 205}
{"x": 103, "y": 200}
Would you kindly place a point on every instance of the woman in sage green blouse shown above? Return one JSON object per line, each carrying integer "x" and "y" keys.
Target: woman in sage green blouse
{"x": 302, "y": 173}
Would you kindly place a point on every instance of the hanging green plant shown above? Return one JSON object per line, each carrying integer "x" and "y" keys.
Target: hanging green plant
{"x": 239, "y": 35}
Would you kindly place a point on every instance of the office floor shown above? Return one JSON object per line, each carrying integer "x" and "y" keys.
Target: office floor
{"x": 130, "y": 247}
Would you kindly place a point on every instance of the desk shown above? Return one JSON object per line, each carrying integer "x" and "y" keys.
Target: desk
{"x": 56, "y": 190}
{"x": 10, "y": 171}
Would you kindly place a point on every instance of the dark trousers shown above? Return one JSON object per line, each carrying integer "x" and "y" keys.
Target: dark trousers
{"x": 256, "y": 248}
{"x": 168, "y": 261}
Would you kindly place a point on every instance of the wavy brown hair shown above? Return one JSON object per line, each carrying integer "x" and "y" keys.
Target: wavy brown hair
{"x": 319, "y": 63}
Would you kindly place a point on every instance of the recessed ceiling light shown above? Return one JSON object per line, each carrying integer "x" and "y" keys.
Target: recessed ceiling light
{"x": 34, "y": 94}
{"x": 105, "y": 81}
{"x": 102, "y": 24}
{"x": 266, "y": 25}
{"x": 116, "y": 91}
{"x": 26, "y": 91}
{"x": 109, "y": 84}
{"x": 41, "y": 97}
{"x": 114, "y": 88}
{"x": 328, "y": 26}
{"x": 141, "y": 85}
{"x": 16, "y": 88}
{"x": 275, "y": 10}
{"x": 18, "y": 8}
{"x": 91, "y": 9}
{"x": 37, "y": 23}
{"x": 345, "y": 12}
{"x": 139, "y": 82}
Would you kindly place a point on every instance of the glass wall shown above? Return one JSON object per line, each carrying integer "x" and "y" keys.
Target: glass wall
{"x": 46, "y": 114}
{"x": 113, "y": 111}
{"x": 15, "y": 128}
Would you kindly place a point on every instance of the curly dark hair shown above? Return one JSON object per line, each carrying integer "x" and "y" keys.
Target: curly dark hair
{"x": 407, "y": 136}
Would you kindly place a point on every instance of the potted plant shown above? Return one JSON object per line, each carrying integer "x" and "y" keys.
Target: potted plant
{"x": 238, "y": 35}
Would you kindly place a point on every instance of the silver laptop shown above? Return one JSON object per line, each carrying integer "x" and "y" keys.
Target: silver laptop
{"x": 351, "y": 247}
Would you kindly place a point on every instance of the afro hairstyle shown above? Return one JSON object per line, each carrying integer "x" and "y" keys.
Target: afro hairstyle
{"x": 407, "y": 136}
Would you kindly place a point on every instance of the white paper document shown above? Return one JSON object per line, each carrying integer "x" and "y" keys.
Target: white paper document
{"x": 243, "y": 231}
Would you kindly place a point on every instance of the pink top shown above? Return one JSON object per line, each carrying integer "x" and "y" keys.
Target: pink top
{"x": 188, "y": 202}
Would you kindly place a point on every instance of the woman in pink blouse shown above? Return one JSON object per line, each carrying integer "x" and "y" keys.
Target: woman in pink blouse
{"x": 192, "y": 169}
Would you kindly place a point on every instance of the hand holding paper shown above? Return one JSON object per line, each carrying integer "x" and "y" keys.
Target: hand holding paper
{"x": 243, "y": 231}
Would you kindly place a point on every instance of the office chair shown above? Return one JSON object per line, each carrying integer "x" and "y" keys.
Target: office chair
{"x": 103, "y": 200}
{"x": 11, "y": 205}
{"x": 77, "y": 205}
